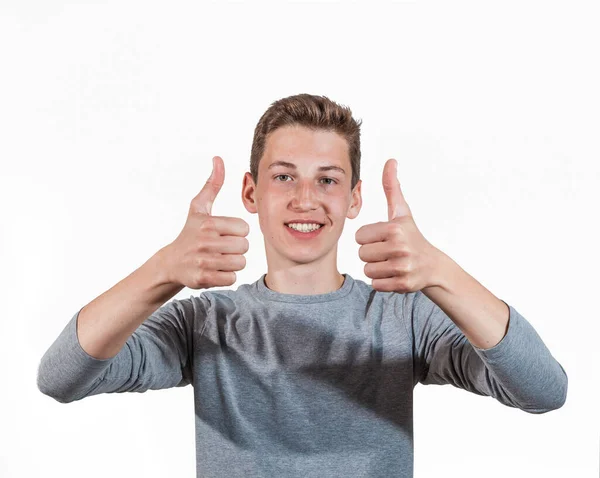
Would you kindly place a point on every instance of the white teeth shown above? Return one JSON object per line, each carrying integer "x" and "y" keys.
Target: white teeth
{"x": 304, "y": 227}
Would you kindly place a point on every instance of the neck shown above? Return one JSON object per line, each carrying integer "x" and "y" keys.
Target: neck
{"x": 303, "y": 282}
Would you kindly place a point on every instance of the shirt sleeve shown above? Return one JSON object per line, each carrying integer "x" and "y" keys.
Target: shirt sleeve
{"x": 157, "y": 355}
{"x": 519, "y": 371}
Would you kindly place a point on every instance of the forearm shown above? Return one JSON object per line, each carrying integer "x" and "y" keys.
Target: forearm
{"x": 105, "y": 324}
{"x": 480, "y": 315}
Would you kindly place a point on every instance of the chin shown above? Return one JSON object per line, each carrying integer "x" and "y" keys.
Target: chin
{"x": 299, "y": 259}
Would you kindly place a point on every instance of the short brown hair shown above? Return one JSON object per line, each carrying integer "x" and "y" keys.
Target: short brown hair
{"x": 315, "y": 113}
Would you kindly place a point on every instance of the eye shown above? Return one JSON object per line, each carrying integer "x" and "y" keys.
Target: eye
{"x": 333, "y": 181}
{"x": 330, "y": 179}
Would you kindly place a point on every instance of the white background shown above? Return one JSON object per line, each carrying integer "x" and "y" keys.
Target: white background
{"x": 110, "y": 113}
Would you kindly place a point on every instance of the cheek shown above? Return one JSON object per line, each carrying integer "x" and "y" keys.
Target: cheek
{"x": 269, "y": 214}
{"x": 338, "y": 206}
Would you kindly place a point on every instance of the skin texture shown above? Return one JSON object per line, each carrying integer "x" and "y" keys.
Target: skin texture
{"x": 302, "y": 266}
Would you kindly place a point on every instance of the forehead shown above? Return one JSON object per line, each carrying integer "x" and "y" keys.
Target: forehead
{"x": 299, "y": 143}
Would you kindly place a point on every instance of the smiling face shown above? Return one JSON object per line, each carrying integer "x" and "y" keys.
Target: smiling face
{"x": 303, "y": 174}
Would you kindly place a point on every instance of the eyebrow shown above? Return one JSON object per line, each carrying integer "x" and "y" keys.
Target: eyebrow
{"x": 285, "y": 164}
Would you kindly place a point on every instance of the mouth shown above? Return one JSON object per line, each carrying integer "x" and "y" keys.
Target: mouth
{"x": 308, "y": 234}
{"x": 288, "y": 223}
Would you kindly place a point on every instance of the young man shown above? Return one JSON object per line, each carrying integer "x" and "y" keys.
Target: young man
{"x": 307, "y": 371}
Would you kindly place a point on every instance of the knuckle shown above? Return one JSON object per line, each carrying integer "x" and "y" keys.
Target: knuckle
{"x": 208, "y": 246}
{"x": 398, "y": 266}
{"x": 202, "y": 262}
{"x": 403, "y": 250}
{"x": 200, "y": 277}
{"x": 204, "y": 246}
{"x": 404, "y": 285}
{"x": 207, "y": 224}
{"x": 395, "y": 228}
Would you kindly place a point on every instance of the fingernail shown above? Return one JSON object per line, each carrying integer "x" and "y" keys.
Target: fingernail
{"x": 213, "y": 170}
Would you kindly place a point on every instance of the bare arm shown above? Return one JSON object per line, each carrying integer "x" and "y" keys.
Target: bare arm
{"x": 205, "y": 254}
{"x": 105, "y": 324}
{"x": 125, "y": 339}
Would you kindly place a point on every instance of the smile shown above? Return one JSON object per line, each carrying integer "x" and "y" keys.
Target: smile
{"x": 304, "y": 231}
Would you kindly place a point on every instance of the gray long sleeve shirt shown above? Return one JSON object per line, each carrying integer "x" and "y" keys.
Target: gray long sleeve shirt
{"x": 307, "y": 385}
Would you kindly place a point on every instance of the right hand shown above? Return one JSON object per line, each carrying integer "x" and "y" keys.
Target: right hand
{"x": 209, "y": 248}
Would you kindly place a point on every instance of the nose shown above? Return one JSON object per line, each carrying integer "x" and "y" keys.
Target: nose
{"x": 304, "y": 196}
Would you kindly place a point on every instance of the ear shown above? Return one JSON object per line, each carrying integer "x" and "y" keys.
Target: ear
{"x": 356, "y": 202}
{"x": 248, "y": 194}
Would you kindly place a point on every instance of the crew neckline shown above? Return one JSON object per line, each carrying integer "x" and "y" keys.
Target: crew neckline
{"x": 265, "y": 293}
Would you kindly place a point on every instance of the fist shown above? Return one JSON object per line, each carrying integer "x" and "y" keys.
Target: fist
{"x": 209, "y": 248}
{"x": 398, "y": 258}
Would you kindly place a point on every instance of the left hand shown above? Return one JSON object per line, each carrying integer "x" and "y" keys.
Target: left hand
{"x": 399, "y": 259}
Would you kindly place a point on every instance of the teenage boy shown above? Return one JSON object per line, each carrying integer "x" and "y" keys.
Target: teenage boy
{"x": 307, "y": 371}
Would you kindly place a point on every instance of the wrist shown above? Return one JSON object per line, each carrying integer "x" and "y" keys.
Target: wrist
{"x": 443, "y": 270}
{"x": 158, "y": 266}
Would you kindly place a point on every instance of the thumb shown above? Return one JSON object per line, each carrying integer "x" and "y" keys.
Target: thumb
{"x": 397, "y": 206}
{"x": 203, "y": 202}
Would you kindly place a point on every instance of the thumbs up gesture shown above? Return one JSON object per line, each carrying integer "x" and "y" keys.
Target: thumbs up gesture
{"x": 399, "y": 259}
{"x": 209, "y": 248}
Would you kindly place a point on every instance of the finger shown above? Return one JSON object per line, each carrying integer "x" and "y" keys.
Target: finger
{"x": 377, "y": 232}
{"x": 397, "y": 206}
{"x": 382, "y": 270}
{"x": 375, "y": 252}
{"x": 203, "y": 202}
{"x": 228, "y": 262}
{"x": 385, "y": 285}
{"x": 232, "y": 245}
{"x": 231, "y": 226}
{"x": 221, "y": 278}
